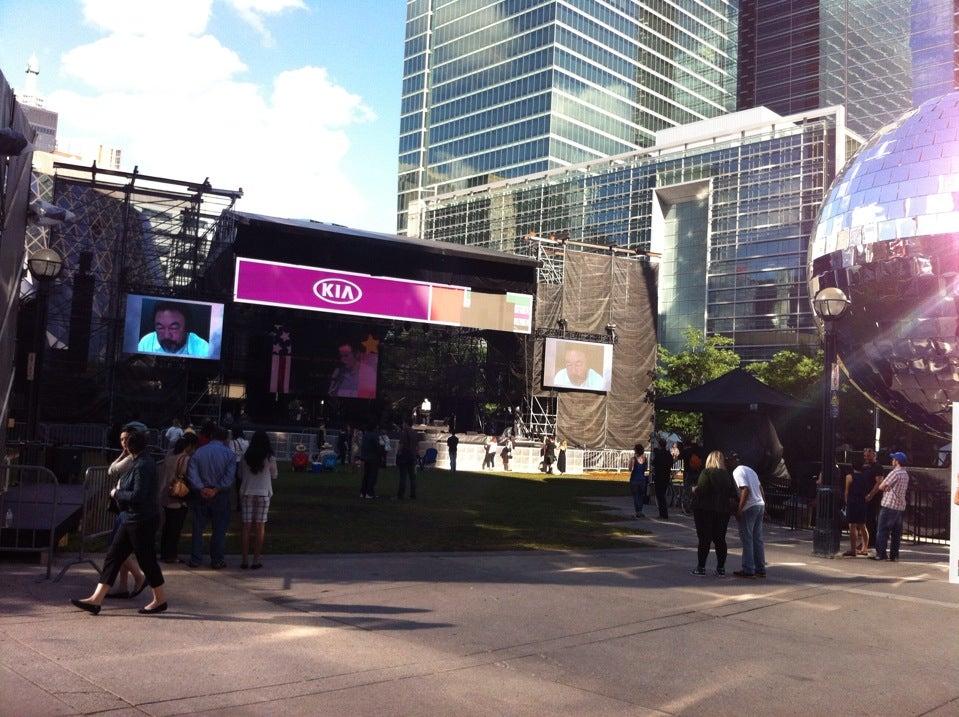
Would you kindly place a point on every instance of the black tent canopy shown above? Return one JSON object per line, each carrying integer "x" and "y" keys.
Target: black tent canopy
{"x": 736, "y": 411}
{"x": 737, "y": 390}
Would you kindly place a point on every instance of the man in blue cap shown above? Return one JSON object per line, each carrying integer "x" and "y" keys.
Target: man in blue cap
{"x": 893, "y": 488}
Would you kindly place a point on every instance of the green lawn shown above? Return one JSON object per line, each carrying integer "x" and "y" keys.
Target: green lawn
{"x": 323, "y": 513}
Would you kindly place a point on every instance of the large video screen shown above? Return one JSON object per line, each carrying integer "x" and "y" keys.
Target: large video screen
{"x": 274, "y": 283}
{"x": 355, "y": 364}
{"x": 578, "y": 365}
{"x": 172, "y": 327}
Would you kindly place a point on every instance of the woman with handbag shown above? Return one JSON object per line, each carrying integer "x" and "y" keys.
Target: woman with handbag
{"x": 174, "y": 491}
{"x": 137, "y": 496}
{"x": 713, "y": 499}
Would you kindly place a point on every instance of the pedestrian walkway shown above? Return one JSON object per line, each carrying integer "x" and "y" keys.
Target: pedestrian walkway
{"x": 615, "y": 632}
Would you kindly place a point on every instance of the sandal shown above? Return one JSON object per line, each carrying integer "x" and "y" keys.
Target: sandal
{"x": 244, "y": 566}
{"x": 850, "y": 554}
{"x": 256, "y": 566}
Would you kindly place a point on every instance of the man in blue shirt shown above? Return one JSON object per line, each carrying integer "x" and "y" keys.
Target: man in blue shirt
{"x": 211, "y": 474}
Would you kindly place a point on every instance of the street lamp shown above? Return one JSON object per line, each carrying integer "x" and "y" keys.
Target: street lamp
{"x": 45, "y": 266}
{"x": 829, "y": 304}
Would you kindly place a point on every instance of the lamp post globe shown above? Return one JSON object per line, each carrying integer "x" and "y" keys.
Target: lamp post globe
{"x": 45, "y": 264}
{"x": 830, "y": 303}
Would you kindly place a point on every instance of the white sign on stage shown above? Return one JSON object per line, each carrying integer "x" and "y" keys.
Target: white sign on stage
{"x": 953, "y": 494}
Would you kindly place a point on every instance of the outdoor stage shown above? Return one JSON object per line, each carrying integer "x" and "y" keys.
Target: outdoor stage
{"x": 303, "y": 323}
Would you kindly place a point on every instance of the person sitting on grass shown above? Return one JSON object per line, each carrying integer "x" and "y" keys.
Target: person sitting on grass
{"x": 258, "y": 469}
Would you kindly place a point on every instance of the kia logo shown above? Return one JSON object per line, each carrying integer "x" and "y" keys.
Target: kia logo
{"x": 337, "y": 291}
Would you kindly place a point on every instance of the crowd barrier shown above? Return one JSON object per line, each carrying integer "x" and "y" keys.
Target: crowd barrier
{"x": 96, "y": 520}
{"x": 926, "y": 520}
{"x": 32, "y": 509}
{"x": 607, "y": 459}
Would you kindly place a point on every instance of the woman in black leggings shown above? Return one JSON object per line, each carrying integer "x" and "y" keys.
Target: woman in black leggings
{"x": 137, "y": 495}
{"x": 713, "y": 496}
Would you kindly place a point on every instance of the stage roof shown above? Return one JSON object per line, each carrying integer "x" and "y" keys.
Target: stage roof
{"x": 321, "y": 230}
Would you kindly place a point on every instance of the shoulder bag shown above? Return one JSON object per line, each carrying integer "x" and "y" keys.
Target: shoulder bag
{"x": 179, "y": 488}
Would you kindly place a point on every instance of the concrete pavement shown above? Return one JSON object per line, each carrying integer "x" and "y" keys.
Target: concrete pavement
{"x": 618, "y": 632}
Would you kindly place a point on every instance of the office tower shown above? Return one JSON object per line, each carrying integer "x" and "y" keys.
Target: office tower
{"x": 725, "y": 205}
{"x": 496, "y": 89}
{"x": 877, "y": 58}
{"x": 43, "y": 120}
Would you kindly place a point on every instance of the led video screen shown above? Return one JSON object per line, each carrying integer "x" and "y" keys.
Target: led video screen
{"x": 173, "y": 327}
{"x": 578, "y": 365}
{"x": 273, "y": 283}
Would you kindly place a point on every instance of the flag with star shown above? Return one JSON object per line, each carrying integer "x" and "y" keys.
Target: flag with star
{"x": 282, "y": 360}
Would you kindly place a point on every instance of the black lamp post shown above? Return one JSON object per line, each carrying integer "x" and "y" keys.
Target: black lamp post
{"x": 45, "y": 266}
{"x": 829, "y": 304}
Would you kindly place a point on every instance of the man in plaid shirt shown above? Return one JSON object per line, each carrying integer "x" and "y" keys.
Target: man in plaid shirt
{"x": 893, "y": 488}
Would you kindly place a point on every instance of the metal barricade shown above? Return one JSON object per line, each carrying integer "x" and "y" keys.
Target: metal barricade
{"x": 927, "y": 518}
{"x": 32, "y": 510}
{"x": 95, "y": 519}
{"x": 607, "y": 459}
{"x": 284, "y": 444}
{"x": 87, "y": 435}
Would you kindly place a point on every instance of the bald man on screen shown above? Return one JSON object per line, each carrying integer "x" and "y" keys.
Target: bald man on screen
{"x": 577, "y": 374}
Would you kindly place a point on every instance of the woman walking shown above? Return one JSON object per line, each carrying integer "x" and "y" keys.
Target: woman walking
{"x": 117, "y": 470}
{"x": 258, "y": 469}
{"x": 638, "y": 481}
{"x": 561, "y": 458}
{"x": 174, "y": 491}
{"x": 137, "y": 496}
{"x": 713, "y": 499}
{"x": 858, "y": 485}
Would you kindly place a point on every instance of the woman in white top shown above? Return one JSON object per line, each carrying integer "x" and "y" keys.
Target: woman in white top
{"x": 257, "y": 471}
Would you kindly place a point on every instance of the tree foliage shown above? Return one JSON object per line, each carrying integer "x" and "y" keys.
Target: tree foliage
{"x": 701, "y": 360}
{"x": 791, "y": 372}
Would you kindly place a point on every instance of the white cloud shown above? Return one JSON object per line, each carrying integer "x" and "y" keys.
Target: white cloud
{"x": 130, "y": 63}
{"x": 252, "y": 12}
{"x": 149, "y": 17}
{"x": 177, "y": 105}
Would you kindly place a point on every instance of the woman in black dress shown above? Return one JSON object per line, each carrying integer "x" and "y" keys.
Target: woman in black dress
{"x": 137, "y": 495}
{"x": 561, "y": 458}
{"x": 858, "y": 484}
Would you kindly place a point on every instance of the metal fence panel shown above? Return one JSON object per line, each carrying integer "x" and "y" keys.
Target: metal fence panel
{"x": 96, "y": 520}
{"x": 33, "y": 507}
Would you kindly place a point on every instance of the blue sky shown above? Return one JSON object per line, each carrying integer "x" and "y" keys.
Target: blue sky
{"x": 295, "y": 100}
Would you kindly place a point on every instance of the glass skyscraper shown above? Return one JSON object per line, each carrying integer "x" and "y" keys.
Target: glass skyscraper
{"x": 726, "y": 206}
{"x": 495, "y": 89}
{"x": 877, "y": 58}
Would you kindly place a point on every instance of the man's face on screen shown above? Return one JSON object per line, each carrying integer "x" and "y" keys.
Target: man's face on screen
{"x": 347, "y": 357}
{"x": 576, "y": 366}
{"x": 171, "y": 330}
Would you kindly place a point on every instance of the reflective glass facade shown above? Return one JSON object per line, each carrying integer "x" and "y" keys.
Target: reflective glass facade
{"x": 730, "y": 217}
{"x": 877, "y": 58}
{"x": 495, "y": 89}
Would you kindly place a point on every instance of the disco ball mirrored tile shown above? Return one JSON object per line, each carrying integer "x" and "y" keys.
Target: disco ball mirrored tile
{"x": 888, "y": 235}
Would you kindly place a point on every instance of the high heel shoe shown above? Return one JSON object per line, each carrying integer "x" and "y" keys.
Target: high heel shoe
{"x": 89, "y": 607}
{"x": 159, "y": 608}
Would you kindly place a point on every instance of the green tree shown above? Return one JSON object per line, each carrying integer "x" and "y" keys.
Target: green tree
{"x": 791, "y": 372}
{"x": 701, "y": 360}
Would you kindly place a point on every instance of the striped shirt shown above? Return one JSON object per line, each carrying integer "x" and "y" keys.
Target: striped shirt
{"x": 894, "y": 488}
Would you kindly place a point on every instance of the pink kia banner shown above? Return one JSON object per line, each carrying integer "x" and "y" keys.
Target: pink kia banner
{"x": 301, "y": 287}
{"x": 318, "y": 289}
